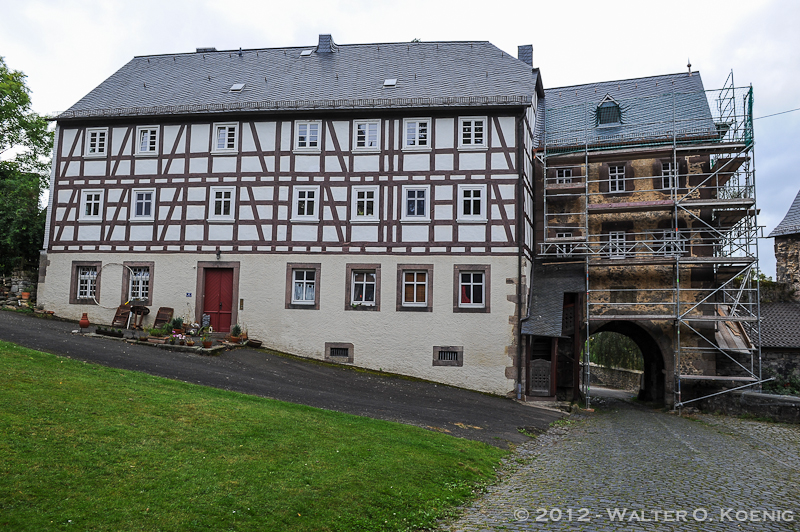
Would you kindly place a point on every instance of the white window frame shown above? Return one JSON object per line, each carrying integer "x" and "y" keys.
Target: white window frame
{"x": 563, "y": 176}
{"x": 212, "y": 200}
{"x": 415, "y": 143}
{"x": 472, "y": 145}
{"x": 94, "y": 151}
{"x": 228, "y": 126}
{"x": 84, "y": 198}
{"x": 307, "y": 148}
{"x": 153, "y": 138}
{"x": 426, "y": 217}
{"x": 415, "y": 283}
{"x": 668, "y": 176}
{"x": 300, "y": 193}
{"x": 134, "y": 201}
{"x": 367, "y": 123}
{"x": 139, "y": 281}
{"x": 87, "y": 282}
{"x": 464, "y": 190}
{"x": 616, "y": 180}
{"x": 364, "y": 190}
{"x": 617, "y": 245}
{"x": 305, "y": 283}
{"x": 461, "y": 284}
{"x": 354, "y": 283}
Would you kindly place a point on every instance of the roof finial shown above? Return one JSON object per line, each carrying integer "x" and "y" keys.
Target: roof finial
{"x": 240, "y": 51}
{"x": 689, "y": 66}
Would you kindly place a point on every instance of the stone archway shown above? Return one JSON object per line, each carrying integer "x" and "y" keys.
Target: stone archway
{"x": 653, "y": 354}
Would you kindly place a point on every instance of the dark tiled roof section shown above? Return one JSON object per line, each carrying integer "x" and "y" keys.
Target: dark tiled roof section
{"x": 791, "y": 222}
{"x": 780, "y": 325}
{"x": 549, "y": 284}
{"x": 428, "y": 74}
{"x": 646, "y": 105}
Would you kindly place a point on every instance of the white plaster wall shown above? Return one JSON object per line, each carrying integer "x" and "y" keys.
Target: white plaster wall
{"x": 399, "y": 342}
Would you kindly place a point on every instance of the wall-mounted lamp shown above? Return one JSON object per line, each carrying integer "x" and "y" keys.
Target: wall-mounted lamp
{"x": 218, "y": 254}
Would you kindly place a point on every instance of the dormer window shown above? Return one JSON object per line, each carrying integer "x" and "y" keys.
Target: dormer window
{"x": 608, "y": 112}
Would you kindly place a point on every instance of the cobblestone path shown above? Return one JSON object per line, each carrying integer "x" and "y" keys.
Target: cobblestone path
{"x": 661, "y": 471}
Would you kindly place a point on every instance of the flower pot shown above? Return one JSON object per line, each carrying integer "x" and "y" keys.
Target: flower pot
{"x": 190, "y": 343}
{"x": 207, "y": 344}
{"x": 84, "y": 322}
{"x": 26, "y": 295}
{"x": 234, "y": 339}
{"x": 254, "y": 343}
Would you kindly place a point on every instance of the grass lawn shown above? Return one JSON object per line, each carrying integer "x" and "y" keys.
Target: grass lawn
{"x": 86, "y": 447}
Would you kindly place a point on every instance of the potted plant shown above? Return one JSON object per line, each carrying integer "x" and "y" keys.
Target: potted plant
{"x": 177, "y": 324}
{"x": 207, "y": 337}
{"x": 236, "y": 333}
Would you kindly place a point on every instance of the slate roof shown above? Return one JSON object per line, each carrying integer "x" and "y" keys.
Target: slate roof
{"x": 548, "y": 286}
{"x": 780, "y": 325}
{"x": 791, "y": 222}
{"x": 429, "y": 74}
{"x": 648, "y": 111}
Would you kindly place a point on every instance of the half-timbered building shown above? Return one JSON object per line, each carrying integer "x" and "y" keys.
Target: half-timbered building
{"x": 365, "y": 204}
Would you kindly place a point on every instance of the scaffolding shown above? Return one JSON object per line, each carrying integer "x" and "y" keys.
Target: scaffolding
{"x": 661, "y": 209}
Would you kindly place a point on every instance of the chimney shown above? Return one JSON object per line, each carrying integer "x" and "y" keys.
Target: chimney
{"x": 326, "y": 44}
{"x": 525, "y": 54}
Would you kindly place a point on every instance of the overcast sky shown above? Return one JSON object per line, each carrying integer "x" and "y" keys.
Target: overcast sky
{"x": 68, "y": 47}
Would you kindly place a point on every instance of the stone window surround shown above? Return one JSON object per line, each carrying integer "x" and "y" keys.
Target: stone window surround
{"x": 353, "y": 267}
{"x": 486, "y": 269}
{"x": 459, "y": 362}
{"x": 401, "y": 269}
{"x": 73, "y": 284}
{"x": 290, "y": 267}
{"x": 126, "y": 279}
{"x": 339, "y": 345}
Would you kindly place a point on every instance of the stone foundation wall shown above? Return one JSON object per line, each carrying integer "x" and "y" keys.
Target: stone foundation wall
{"x": 781, "y": 408}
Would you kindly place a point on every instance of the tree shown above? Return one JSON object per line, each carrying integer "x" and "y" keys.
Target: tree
{"x": 615, "y": 350}
{"x": 25, "y": 148}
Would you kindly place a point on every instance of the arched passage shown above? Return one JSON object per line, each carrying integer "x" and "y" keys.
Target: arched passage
{"x": 654, "y": 378}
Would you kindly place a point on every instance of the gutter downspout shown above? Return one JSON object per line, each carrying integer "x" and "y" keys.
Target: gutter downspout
{"x": 521, "y": 148}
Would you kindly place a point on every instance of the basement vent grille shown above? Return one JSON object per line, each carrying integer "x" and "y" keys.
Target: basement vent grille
{"x": 448, "y": 355}
{"x": 340, "y": 352}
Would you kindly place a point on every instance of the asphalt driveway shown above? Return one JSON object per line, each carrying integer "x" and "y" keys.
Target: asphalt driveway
{"x": 461, "y": 413}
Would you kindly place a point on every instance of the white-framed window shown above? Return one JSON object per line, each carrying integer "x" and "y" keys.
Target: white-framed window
{"x": 363, "y": 287}
{"x": 472, "y": 203}
{"x": 563, "y": 176}
{"x": 304, "y": 284}
{"x": 472, "y": 132}
{"x": 147, "y": 140}
{"x": 226, "y": 138}
{"x": 617, "y": 248}
{"x": 306, "y": 203}
{"x": 87, "y": 282}
{"x": 222, "y": 203}
{"x": 415, "y": 288}
{"x": 367, "y": 135}
{"x": 472, "y": 289}
{"x": 616, "y": 178}
{"x": 96, "y": 142}
{"x": 307, "y": 135}
{"x": 143, "y": 204}
{"x": 139, "y": 283}
{"x": 91, "y": 205}
{"x": 416, "y": 203}
{"x": 365, "y": 204}
{"x": 416, "y": 133}
{"x": 667, "y": 176}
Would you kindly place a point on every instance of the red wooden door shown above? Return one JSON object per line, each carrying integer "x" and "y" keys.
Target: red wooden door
{"x": 218, "y": 298}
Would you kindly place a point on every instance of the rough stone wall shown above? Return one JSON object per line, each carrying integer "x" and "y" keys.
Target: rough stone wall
{"x": 13, "y": 286}
{"x": 785, "y": 409}
{"x": 780, "y": 362}
{"x": 787, "y": 258}
{"x": 619, "y": 378}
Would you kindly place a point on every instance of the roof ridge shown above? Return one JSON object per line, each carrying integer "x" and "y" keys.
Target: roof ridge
{"x": 622, "y": 80}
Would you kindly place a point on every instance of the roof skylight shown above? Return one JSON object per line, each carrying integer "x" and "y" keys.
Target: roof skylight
{"x": 305, "y": 53}
{"x": 390, "y": 82}
{"x": 237, "y": 87}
